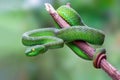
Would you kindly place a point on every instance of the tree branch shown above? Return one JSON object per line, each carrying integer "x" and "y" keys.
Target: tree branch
{"x": 106, "y": 66}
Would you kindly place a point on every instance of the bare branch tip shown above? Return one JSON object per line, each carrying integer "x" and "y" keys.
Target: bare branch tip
{"x": 47, "y": 6}
{"x": 68, "y": 4}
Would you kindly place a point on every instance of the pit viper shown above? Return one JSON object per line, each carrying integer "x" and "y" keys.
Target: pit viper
{"x": 40, "y": 40}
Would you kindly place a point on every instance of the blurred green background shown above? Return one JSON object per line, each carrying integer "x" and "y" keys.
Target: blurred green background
{"x": 19, "y": 16}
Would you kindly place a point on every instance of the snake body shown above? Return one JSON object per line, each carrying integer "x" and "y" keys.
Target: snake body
{"x": 40, "y": 40}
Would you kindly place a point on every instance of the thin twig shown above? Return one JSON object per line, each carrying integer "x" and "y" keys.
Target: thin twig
{"x": 106, "y": 66}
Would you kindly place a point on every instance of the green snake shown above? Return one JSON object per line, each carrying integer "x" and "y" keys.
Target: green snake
{"x": 40, "y": 40}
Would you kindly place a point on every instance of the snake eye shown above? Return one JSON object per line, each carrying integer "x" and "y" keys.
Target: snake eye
{"x": 33, "y": 49}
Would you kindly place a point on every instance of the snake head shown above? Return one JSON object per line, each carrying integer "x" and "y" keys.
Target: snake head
{"x": 35, "y": 50}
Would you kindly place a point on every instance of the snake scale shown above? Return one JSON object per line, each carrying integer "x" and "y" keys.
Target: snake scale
{"x": 40, "y": 40}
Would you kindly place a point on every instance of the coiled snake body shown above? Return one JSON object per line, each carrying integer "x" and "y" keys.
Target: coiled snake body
{"x": 40, "y": 40}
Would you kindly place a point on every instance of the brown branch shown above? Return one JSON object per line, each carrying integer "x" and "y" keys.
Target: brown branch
{"x": 106, "y": 66}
